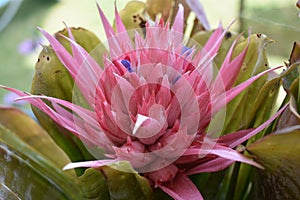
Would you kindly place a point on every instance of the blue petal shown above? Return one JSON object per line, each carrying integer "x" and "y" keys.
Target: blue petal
{"x": 186, "y": 49}
{"x": 127, "y": 65}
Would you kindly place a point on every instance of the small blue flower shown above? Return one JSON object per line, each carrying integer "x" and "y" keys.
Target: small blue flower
{"x": 127, "y": 64}
{"x": 186, "y": 49}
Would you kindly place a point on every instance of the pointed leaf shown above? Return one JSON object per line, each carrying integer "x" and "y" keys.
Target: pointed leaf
{"x": 29, "y": 175}
{"x": 37, "y": 138}
{"x": 290, "y": 116}
{"x": 291, "y": 77}
{"x": 279, "y": 154}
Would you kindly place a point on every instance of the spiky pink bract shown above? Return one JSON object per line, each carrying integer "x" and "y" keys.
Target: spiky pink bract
{"x": 152, "y": 104}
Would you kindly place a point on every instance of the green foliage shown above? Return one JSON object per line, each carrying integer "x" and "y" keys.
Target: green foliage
{"x": 29, "y": 167}
{"x": 125, "y": 183}
{"x": 279, "y": 154}
{"x": 93, "y": 185}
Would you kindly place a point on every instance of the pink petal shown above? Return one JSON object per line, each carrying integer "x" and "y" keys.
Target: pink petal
{"x": 240, "y": 136}
{"x": 36, "y": 102}
{"x": 120, "y": 100}
{"x": 73, "y": 124}
{"x": 118, "y": 43}
{"x": 214, "y": 165}
{"x": 229, "y": 139}
{"x": 178, "y": 22}
{"x": 82, "y": 57}
{"x": 181, "y": 188}
{"x": 98, "y": 138}
{"x": 189, "y": 106}
{"x": 137, "y": 159}
{"x": 85, "y": 114}
{"x": 73, "y": 39}
{"x": 152, "y": 126}
{"x": 80, "y": 67}
{"x": 92, "y": 164}
{"x": 163, "y": 175}
{"x": 230, "y": 69}
{"x": 123, "y": 37}
{"x": 119, "y": 24}
{"x": 204, "y": 66}
{"x": 63, "y": 55}
{"x": 214, "y": 42}
{"x": 107, "y": 27}
{"x": 232, "y": 93}
{"x": 173, "y": 145}
{"x": 223, "y": 152}
{"x": 139, "y": 42}
{"x": 140, "y": 119}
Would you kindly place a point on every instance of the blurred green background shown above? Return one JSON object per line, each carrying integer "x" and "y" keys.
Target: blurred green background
{"x": 278, "y": 19}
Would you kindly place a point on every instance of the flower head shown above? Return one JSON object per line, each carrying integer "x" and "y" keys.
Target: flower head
{"x": 152, "y": 104}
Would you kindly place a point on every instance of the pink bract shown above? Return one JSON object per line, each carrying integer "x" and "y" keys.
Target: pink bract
{"x": 152, "y": 103}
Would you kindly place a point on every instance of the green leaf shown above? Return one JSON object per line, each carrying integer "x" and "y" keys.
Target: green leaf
{"x": 32, "y": 134}
{"x": 125, "y": 183}
{"x": 291, "y": 80}
{"x": 27, "y": 174}
{"x": 294, "y": 71}
{"x": 291, "y": 77}
{"x": 93, "y": 185}
{"x": 279, "y": 154}
{"x": 295, "y": 54}
{"x": 213, "y": 186}
{"x": 131, "y": 9}
{"x": 161, "y": 195}
{"x": 290, "y": 117}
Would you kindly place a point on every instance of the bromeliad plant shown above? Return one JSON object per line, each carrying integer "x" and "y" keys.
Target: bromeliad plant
{"x": 147, "y": 118}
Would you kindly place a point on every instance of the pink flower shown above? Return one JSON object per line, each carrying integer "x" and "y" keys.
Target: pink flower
{"x": 153, "y": 103}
